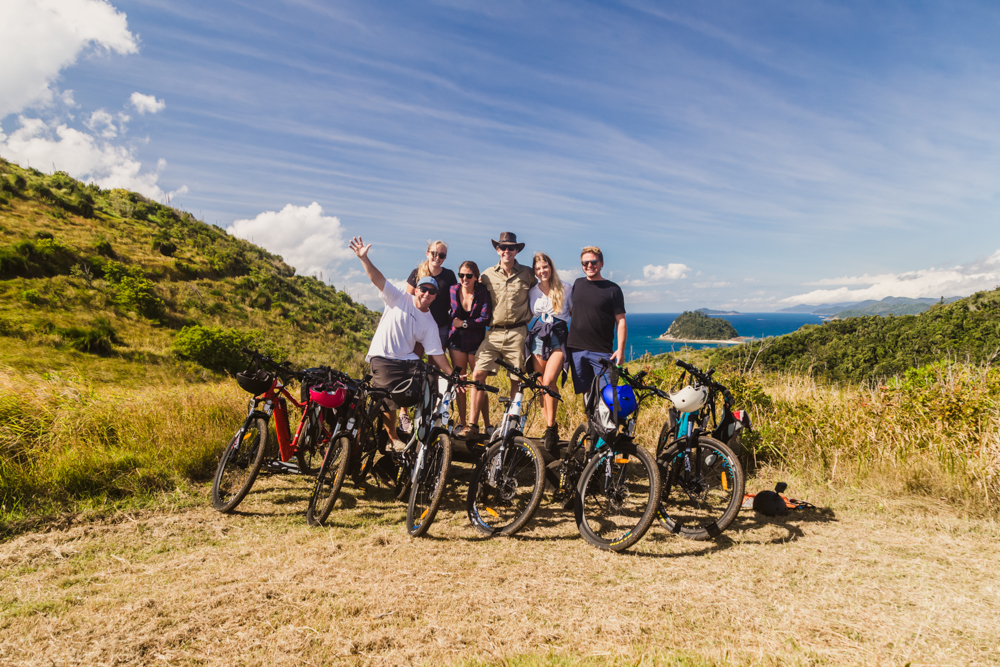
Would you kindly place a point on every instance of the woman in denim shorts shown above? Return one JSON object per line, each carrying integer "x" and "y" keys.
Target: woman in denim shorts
{"x": 550, "y": 302}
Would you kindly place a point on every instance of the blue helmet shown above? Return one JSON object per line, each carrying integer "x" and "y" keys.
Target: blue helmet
{"x": 626, "y": 399}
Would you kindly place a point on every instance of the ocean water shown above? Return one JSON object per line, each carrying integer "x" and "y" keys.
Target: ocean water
{"x": 644, "y": 328}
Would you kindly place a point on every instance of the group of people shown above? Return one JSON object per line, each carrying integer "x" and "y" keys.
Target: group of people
{"x": 509, "y": 311}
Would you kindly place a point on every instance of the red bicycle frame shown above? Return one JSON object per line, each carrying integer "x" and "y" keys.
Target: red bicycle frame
{"x": 275, "y": 398}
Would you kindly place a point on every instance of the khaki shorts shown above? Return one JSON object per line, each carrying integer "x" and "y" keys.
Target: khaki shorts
{"x": 508, "y": 344}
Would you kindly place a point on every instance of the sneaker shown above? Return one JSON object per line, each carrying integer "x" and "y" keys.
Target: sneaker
{"x": 551, "y": 440}
{"x": 489, "y": 431}
{"x": 395, "y": 445}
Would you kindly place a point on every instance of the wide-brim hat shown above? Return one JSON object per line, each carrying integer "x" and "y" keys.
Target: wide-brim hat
{"x": 508, "y": 238}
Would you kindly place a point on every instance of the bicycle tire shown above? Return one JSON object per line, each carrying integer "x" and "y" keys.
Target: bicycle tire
{"x": 700, "y": 508}
{"x": 668, "y": 433}
{"x": 239, "y": 465}
{"x": 614, "y": 511}
{"x": 309, "y": 453}
{"x": 426, "y": 492}
{"x": 572, "y": 464}
{"x": 367, "y": 444}
{"x": 504, "y": 507}
{"x": 329, "y": 480}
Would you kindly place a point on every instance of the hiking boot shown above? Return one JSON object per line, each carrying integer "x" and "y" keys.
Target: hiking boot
{"x": 551, "y": 440}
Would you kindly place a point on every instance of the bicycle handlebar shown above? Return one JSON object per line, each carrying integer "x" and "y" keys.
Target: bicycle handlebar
{"x": 706, "y": 379}
{"x": 531, "y": 381}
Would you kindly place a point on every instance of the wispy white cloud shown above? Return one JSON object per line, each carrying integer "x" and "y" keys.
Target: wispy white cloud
{"x": 147, "y": 103}
{"x": 954, "y": 281}
{"x": 654, "y": 274}
{"x": 39, "y": 38}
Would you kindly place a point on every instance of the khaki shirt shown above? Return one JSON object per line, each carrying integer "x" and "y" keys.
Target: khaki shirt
{"x": 509, "y": 294}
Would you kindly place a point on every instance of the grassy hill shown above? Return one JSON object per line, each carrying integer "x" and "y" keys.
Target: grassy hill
{"x": 119, "y": 320}
{"x": 861, "y": 348}
{"x": 892, "y": 305}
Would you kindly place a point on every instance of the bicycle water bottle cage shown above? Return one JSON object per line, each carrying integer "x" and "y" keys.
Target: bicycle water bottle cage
{"x": 689, "y": 398}
{"x": 255, "y": 382}
{"x": 626, "y": 399}
{"x": 328, "y": 396}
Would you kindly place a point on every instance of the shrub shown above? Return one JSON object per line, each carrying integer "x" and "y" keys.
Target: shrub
{"x": 218, "y": 348}
{"x": 103, "y": 247}
{"x": 32, "y": 296}
{"x": 133, "y": 290}
{"x": 96, "y": 339}
{"x": 36, "y": 259}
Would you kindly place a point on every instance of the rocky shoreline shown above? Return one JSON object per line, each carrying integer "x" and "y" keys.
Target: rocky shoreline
{"x": 731, "y": 341}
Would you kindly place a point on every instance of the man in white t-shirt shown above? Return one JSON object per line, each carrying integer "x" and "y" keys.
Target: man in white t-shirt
{"x": 405, "y": 321}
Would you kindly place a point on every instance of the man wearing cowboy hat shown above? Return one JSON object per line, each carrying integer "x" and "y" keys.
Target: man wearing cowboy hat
{"x": 508, "y": 284}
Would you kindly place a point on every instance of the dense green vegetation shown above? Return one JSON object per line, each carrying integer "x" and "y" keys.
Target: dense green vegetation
{"x": 862, "y": 348}
{"x": 699, "y": 326}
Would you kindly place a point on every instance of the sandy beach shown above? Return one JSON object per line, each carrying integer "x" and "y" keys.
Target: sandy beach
{"x": 731, "y": 341}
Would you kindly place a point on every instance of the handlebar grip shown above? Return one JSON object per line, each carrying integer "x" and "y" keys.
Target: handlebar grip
{"x": 686, "y": 366}
{"x": 489, "y": 388}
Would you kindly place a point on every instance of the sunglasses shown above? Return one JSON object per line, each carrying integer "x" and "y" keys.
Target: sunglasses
{"x": 507, "y": 248}
{"x": 428, "y": 290}
{"x": 466, "y": 276}
{"x": 439, "y": 255}
{"x": 590, "y": 262}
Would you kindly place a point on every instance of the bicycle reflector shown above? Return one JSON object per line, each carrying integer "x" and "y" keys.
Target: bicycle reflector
{"x": 328, "y": 397}
{"x": 626, "y": 399}
{"x": 256, "y": 383}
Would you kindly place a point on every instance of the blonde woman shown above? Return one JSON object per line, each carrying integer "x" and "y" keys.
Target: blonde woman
{"x": 551, "y": 303}
{"x": 437, "y": 252}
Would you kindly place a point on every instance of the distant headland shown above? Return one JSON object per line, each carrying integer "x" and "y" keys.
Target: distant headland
{"x": 698, "y": 327}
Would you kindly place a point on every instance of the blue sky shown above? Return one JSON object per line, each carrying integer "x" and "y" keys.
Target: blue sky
{"x": 723, "y": 154}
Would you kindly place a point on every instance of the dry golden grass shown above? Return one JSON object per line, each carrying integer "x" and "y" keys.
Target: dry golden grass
{"x": 862, "y": 582}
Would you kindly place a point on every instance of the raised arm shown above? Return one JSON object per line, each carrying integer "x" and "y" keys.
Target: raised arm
{"x": 361, "y": 250}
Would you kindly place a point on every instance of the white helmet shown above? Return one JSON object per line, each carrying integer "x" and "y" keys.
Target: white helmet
{"x": 689, "y": 398}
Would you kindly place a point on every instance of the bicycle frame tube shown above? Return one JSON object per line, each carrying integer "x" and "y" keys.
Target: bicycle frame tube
{"x": 286, "y": 445}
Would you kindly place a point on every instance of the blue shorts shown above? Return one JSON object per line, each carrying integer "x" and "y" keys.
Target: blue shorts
{"x": 585, "y": 366}
{"x": 555, "y": 342}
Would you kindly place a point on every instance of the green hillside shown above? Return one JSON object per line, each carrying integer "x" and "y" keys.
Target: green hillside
{"x": 892, "y": 305}
{"x": 860, "y": 348}
{"x": 699, "y": 326}
{"x": 107, "y": 277}
{"x": 119, "y": 319}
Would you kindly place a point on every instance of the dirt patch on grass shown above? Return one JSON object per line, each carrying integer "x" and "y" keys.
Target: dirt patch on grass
{"x": 858, "y": 583}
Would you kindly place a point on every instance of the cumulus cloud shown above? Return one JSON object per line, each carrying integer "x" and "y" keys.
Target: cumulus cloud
{"x": 147, "y": 103}
{"x": 302, "y": 235}
{"x": 569, "y": 275}
{"x": 82, "y": 155}
{"x": 959, "y": 280}
{"x": 105, "y": 124}
{"x": 39, "y": 38}
{"x": 654, "y": 274}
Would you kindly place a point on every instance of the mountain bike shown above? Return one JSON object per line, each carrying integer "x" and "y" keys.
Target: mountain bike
{"x": 507, "y": 485}
{"x": 348, "y": 422}
{"x": 246, "y": 453}
{"x": 424, "y": 462}
{"x": 619, "y": 488}
{"x": 702, "y": 478}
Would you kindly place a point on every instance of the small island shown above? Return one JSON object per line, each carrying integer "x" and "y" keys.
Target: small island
{"x": 697, "y": 327}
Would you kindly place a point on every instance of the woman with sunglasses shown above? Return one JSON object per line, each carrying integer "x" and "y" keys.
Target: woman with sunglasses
{"x": 551, "y": 304}
{"x": 471, "y": 309}
{"x": 437, "y": 252}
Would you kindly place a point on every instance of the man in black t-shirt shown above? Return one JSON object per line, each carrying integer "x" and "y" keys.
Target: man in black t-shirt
{"x": 598, "y": 314}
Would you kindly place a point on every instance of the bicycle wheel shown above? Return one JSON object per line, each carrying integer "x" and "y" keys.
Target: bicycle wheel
{"x": 329, "y": 479}
{"x": 428, "y": 488}
{"x": 617, "y": 497}
{"x": 699, "y": 502}
{"x": 571, "y": 466}
{"x": 311, "y": 448}
{"x": 668, "y": 432}
{"x": 506, "y": 489}
{"x": 239, "y": 465}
